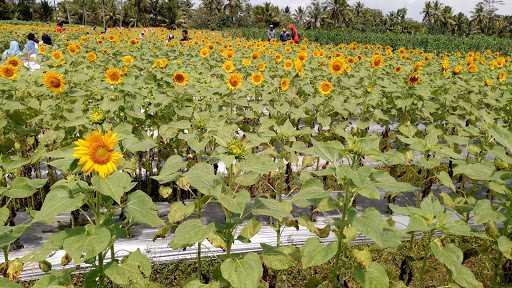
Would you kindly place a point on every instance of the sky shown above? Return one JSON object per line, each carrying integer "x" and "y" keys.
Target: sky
{"x": 414, "y": 7}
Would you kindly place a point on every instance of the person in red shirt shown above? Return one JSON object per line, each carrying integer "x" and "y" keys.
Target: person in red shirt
{"x": 59, "y": 27}
{"x": 295, "y": 33}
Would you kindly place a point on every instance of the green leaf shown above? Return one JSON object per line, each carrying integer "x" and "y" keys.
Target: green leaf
{"x": 329, "y": 151}
{"x": 272, "y": 208}
{"x": 56, "y": 279}
{"x": 505, "y": 246}
{"x": 484, "y": 213}
{"x": 445, "y": 180}
{"x": 9, "y": 234}
{"x": 95, "y": 240}
{"x": 62, "y": 198}
{"x": 141, "y": 209}
{"x": 202, "y": 177}
{"x": 133, "y": 144}
{"x": 169, "y": 171}
{"x": 260, "y": 164}
{"x": 312, "y": 190}
{"x": 234, "y": 202}
{"x": 477, "y": 171}
{"x": 179, "y": 211}
{"x": 114, "y": 185}
{"x": 374, "y": 276}
{"x": 243, "y": 273}
{"x": 374, "y": 225}
{"x": 503, "y": 136}
{"x": 22, "y": 187}
{"x": 281, "y": 258}
{"x": 250, "y": 229}
{"x": 4, "y": 215}
{"x": 313, "y": 253}
{"x": 133, "y": 270}
{"x": 189, "y": 233}
{"x": 4, "y": 283}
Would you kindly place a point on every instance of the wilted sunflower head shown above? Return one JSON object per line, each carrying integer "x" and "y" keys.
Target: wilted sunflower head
{"x": 180, "y": 78}
{"x": 8, "y": 72}
{"x": 414, "y": 79}
{"x": 54, "y": 81}
{"x": 113, "y": 76}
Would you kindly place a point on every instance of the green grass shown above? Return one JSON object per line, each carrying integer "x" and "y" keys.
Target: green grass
{"x": 428, "y": 42}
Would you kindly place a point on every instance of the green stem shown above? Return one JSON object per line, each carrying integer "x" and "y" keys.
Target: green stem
{"x": 101, "y": 269}
{"x": 112, "y": 253}
{"x": 6, "y": 253}
{"x": 199, "y": 272}
{"x": 497, "y": 269}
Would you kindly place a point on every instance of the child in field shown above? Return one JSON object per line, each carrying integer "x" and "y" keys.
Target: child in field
{"x": 31, "y": 45}
{"x": 14, "y": 50}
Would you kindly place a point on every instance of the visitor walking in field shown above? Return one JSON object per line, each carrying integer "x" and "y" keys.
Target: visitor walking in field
{"x": 271, "y": 33}
{"x": 283, "y": 37}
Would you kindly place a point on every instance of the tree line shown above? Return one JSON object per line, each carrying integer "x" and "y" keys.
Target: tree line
{"x": 438, "y": 18}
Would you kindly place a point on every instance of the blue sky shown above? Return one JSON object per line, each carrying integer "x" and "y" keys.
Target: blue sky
{"x": 414, "y": 6}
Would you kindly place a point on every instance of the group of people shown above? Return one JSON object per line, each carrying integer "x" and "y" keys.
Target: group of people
{"x": 30, "y": 48}
{"x": 285, "y": 35}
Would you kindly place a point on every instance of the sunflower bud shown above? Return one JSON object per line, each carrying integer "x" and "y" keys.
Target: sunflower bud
{"x": 65, "y": 260}
{"x": 96, "y": 117}
{"x": 165, "y": 191}
{"x": 14, "y": 269}
{"x": 491, "y": 229}
{"x": 350, "y": 233}
{"x": 363, "y": 257}
{"x": 500, "y": 164}
{"x": 474, "y": 150}
{"x": 237, "y": 149}
{"x": 183, "y": 183}
{"x": 45, "y": 266}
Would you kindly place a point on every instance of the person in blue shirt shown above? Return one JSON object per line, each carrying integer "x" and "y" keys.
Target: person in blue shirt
{"x": 30, "y": 47}
{"x": 284, "y": 36}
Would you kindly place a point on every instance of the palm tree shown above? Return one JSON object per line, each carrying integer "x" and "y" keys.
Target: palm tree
{"x": 316, "y": 13}
{"x": 266, "y": 13}
{"x": 479, "y": 17}
{"x": 299, "y": 15}
{"x": 446, "y": 18}
{"x": 461, "y": 24}
{"x": 232, "y": 8}
{"x": 339, "y": 11}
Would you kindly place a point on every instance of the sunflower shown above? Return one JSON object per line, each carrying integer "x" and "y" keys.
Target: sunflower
{"x": 255, "y": 55}
{"x": 257, "y": 78}
{"x": 128, "y": 59}
{"x": 325, "y": 88}
{"x": 204, "y": 52}
{"x": 246, "y": 62}
{"x": 42, "y": 49}
{"x": 302, "y": 56}
{"x": 299, "y": 67}
{"x": 377, "y": 61}
{"x": 234, "y": 81}
{"x": 502, "y": 76}
{"x": 288, "y": 64}
{"x": 278, "y": 58}
{"x": 96, "y": 153}
{"x": 472, "y": 68}
{"x": 230, "y": 53}
{"x": 397, "y": 69}
{"x": 288, "y": 49}
{"x": 13, "y": 61}
{"x": 228, "y": 66}
{"x": 113, "y": 76}
{"x": 8, "y": 72}
{"x": 180, "y": 78}
{"x": 336, "y": 66}
{"x": 262, "y": 66}
{"x": 488, "y": 82}
{"x": 284, "y": 85}
{"x": 57, "y": 55}
{"x": 414, "y": 79}
{"x": 91, "y": 56}
{"x": 457, "y": 70}
{"x": 161, "y": 63}
{"x": 73, "y": 48}
{"x": 133, "y": 42}
{"x": 54, "y": 81}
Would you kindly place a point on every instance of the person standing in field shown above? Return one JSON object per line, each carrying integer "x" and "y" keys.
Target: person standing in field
{"x": 60, "y": 27}
{"x": 295, "y": 33}
{"x": 31, "y": 45}
{"x": 271, "y": 33}
{"x": 283, "y": 37}
{"x": 184, "y": 36}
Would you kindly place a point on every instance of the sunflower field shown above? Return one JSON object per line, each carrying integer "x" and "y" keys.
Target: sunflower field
{"x": 271, "y": 134}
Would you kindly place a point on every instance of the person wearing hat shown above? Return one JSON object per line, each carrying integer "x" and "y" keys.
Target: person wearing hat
{"x": 271, "y": 33}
